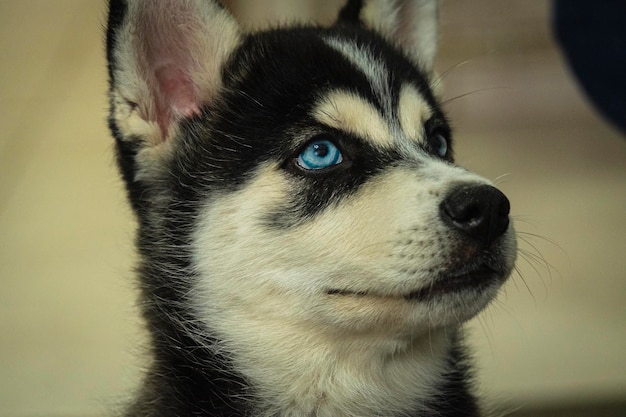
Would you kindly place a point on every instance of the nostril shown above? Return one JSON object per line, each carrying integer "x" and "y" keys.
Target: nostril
{"x": 479, "y": 211}
{"x": 463, "y": 212}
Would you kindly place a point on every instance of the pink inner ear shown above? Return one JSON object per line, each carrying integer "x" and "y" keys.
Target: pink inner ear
{"x": 176, "y": 98}
{"x": 168, "y": 46}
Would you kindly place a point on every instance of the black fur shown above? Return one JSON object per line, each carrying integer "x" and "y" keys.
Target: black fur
{"x": 291, "y": 69}
{"x": 351, "y": 12}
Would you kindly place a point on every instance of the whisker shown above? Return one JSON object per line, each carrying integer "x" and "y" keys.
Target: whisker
{"x": 504, "y": 307}
{"x": 538, "y": 259}
{"x": 523, "y": 219}
{"x": 534, "y": 258}
{"x": 536, "y": 254}
{"x": 543, "y": 238}
{"x": 532, "y": 263}
{"x": 479, "y": 90}
{"x": 498, "y": 179}
{"x": 504, "y": 409}
{"x": 445, "y": 73}
{"x": 523, "y": 279}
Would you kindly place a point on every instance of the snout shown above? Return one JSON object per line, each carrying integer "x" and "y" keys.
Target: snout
{"x": 478, "y": 211}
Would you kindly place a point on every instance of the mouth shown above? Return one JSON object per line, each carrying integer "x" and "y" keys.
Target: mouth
{"x": 475, "y": 279}
{"x": 464, "y": 280}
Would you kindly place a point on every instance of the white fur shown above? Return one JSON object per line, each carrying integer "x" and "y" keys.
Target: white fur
{"x": 421, "y": 35}
{"x": 313, "y": 315}
{"x": 413, "y": 111}
{"x": 410, "y": 24}
{"x": 372, "y": 68}
{"x": 264, "y": 292}
{"x": 348, "y": 112}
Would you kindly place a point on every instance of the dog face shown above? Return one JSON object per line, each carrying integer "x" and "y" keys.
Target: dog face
{"x": 300, "y": 178}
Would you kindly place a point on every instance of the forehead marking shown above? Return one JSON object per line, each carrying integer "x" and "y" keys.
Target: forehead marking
{"x": 372, "y": 68}
{"x": 413, "y": 112}
{"x": 348, "y": 112}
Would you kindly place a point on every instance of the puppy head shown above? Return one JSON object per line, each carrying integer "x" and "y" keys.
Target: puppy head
{"x": 300, "y": 176}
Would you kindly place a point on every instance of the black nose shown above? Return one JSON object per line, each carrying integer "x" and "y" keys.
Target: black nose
{"x": 479, "y": 211}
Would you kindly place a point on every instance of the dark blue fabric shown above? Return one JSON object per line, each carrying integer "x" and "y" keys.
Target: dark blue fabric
{"x": 592, "y": 35}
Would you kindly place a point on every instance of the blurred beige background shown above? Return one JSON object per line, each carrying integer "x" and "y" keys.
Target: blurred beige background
{"x": 69, "y": 333}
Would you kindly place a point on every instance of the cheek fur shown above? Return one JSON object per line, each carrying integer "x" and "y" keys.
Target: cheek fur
{"x": 386, "y": 239}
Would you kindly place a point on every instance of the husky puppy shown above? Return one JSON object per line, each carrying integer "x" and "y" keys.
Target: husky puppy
{"x": 307, "y": 245}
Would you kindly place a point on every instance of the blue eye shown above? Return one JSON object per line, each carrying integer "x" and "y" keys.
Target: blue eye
{"x": 440, "y": 145}
{"x": 319, "y": 154}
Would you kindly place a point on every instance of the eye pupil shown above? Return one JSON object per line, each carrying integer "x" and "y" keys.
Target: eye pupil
{"x": 321, "y": 149}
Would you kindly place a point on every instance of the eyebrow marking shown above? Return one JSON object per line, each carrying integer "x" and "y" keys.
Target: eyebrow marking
{"x": 413, "y": 112}
{"x": 373, "y": 68}
{"x": 351, "y": 113}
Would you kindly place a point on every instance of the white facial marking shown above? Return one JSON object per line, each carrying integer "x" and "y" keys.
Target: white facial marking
{"x": 263, "y": 291}
{"x": 351, "y": 113}
{"x": 372, "y": 68}
{"x": 413, "y": 111}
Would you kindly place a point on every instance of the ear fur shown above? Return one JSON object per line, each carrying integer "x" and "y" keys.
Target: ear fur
{"x": 165, "y": 59}
{"x": 410, "y": 24}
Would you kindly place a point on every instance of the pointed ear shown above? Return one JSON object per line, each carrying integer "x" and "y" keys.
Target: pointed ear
{"x": 164, "y": 59}
{"x": 410, "y": 24}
